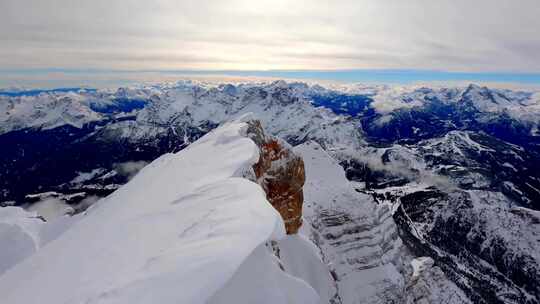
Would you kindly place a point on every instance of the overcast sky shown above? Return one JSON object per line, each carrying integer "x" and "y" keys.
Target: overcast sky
{"x": 452, "y": 35}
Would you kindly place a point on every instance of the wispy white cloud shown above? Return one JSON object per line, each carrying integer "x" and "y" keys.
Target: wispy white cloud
{"x": 480, "y": 35}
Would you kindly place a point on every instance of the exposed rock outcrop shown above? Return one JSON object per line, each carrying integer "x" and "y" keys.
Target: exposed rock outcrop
{"x": 281, "y": 174}
{"x": 429, "y": 284}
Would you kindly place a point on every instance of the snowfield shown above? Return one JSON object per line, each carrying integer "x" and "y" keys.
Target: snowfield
{"x": 186, "y": 229}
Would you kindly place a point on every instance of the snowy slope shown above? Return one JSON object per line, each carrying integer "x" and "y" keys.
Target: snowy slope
{"x": 301, "y": 258}
{"x": 186, "y": 229}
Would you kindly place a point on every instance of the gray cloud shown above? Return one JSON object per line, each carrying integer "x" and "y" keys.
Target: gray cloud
{"x": 459, "y": 35}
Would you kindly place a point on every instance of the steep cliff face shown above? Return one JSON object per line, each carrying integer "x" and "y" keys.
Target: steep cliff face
{"x": 359, "y": 240}
{"x": 281, "y": 174}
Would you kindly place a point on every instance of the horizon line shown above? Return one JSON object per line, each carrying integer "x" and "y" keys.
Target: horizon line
{"x": 98, "y": 77}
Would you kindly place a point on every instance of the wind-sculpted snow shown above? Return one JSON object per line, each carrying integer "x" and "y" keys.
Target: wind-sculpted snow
{"x": 176, "y": 233}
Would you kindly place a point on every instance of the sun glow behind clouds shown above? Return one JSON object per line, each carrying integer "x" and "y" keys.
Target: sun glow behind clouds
{"x": 454, "y": 35}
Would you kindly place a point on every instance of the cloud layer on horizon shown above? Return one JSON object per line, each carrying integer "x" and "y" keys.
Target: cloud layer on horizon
{"x": 455, "y": 35}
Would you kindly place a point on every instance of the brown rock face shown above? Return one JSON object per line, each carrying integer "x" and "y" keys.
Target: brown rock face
{"x": 281, "y": 174}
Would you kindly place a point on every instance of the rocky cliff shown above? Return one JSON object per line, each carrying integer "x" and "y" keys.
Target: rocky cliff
{"x": 359, "y": 240}
{"x": 281, "y": 174}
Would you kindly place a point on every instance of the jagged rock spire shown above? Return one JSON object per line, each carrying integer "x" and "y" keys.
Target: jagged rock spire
{"x": 281, "y": 174}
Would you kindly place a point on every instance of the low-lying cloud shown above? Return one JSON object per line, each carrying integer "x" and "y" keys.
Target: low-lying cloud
{"x": 130, "y": 168}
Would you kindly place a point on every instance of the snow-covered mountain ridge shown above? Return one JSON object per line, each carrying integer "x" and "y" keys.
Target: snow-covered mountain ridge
{"x": 187, "y": 229}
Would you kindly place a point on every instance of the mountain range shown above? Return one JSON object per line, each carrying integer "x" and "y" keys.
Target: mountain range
{"x": 412, "y": 194}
